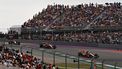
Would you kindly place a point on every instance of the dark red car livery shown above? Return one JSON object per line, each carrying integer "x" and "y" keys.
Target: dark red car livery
{"x": 87, "y": 54}
{"x": 47, "y": 45}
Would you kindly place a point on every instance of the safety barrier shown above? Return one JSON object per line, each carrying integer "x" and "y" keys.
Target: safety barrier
{"x": 65, "y": 61}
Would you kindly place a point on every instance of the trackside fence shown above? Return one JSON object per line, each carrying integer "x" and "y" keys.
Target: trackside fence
{"x": 65, "y": 61}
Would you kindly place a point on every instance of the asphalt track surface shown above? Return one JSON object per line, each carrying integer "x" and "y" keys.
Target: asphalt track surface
{"x": 110, "y": 56}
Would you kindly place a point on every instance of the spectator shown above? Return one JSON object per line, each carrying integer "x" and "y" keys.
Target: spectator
{"x": 61, "y": 17}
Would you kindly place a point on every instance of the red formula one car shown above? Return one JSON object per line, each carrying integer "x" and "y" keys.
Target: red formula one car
{"x": 87, "y": 54}
{"x": 47, "y": 45}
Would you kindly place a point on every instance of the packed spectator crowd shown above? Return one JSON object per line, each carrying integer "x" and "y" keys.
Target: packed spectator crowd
{"x": 104, "y": 37}
{"x": 58, "y": 16}
{"x": 84, "y": 15}
{"x": 11, "y": 57}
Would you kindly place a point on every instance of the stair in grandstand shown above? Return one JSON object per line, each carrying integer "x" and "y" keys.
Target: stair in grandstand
{"x": 57, "y": 18}
{"x": 100, "y": 16}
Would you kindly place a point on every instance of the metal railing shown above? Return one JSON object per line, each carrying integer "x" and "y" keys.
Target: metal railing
{"x": 64, "y": 61}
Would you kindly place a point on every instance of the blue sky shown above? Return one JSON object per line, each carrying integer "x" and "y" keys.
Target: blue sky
{"x": 16, "y": 12}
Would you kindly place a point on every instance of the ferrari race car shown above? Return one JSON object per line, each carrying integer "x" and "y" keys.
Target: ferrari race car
{"x": 87, "y": 54}
{"x": 47, "y": 45}
{"x": 14, "y": 42}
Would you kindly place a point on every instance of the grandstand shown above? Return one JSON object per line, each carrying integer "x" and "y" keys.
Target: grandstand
{"x": 94, "y": 27}
{"x": 98, "y": 23}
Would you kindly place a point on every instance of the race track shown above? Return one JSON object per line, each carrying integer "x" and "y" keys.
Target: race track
{"x": 110, "y": 56}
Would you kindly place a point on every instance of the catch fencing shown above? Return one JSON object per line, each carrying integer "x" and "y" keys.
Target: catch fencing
{"x": 64, "y": 61}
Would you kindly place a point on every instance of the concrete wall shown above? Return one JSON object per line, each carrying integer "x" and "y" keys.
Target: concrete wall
{"x": 98, "y": 45}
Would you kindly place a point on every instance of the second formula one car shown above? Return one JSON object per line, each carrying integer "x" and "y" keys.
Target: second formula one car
{"x": 87, "y": 54}
{"x": 14, "y": 42}
{"x": 47, "y": 45}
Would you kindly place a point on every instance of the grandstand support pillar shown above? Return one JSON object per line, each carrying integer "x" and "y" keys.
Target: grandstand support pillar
{"x": 66, "y": 61}
{"x": 42, "y": 36}
{"x": 54, "y": 58}
{"x": 40, "y": 33}
{"x": 29, "y": 35}
{"x": 78, "y": 62}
